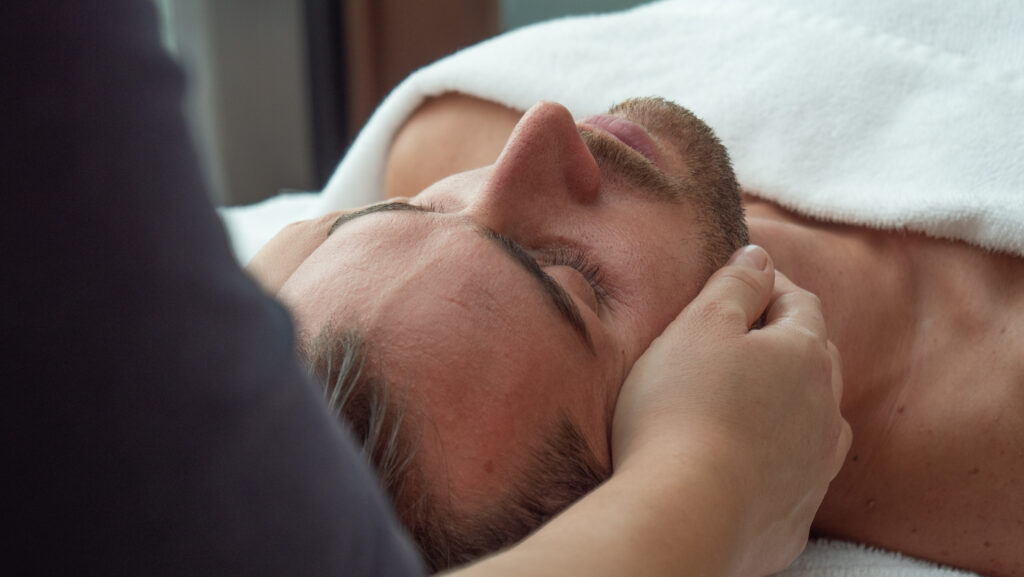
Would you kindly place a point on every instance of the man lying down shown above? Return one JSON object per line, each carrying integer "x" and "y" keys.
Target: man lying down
{"x": 477, "y": 332}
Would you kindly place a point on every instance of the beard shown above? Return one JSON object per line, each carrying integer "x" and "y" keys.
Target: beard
{"x": 705, "y": 180}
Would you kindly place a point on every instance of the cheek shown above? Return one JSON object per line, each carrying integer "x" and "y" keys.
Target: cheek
{"x": 658, "y": 267}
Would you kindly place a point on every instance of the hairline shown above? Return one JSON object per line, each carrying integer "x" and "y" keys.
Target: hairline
{"x": 560, "y": 470}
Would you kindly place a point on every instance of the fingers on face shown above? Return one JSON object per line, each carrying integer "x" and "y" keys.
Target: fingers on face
{"x": 736, "y": 296}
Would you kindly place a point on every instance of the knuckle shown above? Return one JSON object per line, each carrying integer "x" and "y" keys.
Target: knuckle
{"x": 806, "y": 300}
{"x": 735, "y": 291}
{"x": 813, "y": 300}
{"x": 809, "y": 341}
{"x": 714, "y": 312}
{"x": 745, "y": 280}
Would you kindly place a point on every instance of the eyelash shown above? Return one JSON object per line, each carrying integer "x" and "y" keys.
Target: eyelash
{"x": 565, "y": 256}
{"x": 432, "y": 206}
{"x": 577, "y": 259}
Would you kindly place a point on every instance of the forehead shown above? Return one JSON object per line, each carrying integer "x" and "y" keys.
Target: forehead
{"x": 387, "y": 266}
{"x": 464, "y": 337}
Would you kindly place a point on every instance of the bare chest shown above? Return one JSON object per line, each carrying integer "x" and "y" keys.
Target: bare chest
{"x": 932, "y": 338}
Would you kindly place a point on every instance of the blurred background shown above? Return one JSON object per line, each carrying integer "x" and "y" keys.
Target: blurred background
{"x": 279, "y": 88}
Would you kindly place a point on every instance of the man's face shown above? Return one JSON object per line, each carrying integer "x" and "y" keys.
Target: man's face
{"x": 502, "y": 298}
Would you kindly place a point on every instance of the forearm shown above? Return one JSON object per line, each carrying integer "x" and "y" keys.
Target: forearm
{"x": 658, "y": 520}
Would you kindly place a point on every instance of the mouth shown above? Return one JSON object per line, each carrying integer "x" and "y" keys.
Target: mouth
{"x": 629, "y": 133}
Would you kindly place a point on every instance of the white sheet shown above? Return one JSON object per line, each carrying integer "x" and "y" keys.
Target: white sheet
{"x": 884, "y": 114}
{"x": 824, "y": 558}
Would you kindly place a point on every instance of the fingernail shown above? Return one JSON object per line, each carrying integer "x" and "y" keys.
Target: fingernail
{"x": 750, "y": 256}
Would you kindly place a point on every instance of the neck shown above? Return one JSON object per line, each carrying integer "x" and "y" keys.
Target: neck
{"x": 860, "y": 277}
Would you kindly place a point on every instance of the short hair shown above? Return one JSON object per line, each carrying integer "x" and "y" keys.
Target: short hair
{"x": 558, "y": 473}
{"x": 564, "y": 468}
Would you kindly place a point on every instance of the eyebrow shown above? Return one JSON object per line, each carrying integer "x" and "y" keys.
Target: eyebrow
{"x": 555, "y": 293}
{"x": 374, "y": 208}
{"x": 558, "y": 295}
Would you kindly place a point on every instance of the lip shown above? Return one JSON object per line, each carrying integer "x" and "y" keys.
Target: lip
{"x": 629, "y": 133}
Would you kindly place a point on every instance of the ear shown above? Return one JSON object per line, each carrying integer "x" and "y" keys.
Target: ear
{"x": 274, "y": 264}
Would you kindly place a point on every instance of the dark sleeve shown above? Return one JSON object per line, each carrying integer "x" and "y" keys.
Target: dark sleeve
{"x": 155, "y": 419}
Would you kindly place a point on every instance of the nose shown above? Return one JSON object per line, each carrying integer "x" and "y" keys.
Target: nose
{"x": 545, "y": 164}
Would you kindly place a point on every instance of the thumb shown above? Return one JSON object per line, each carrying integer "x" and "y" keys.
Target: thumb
{"x": 738, "y": 293}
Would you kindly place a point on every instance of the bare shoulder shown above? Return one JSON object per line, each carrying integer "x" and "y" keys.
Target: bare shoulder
{"x": 446, "y": 135}
{"x": 933, "y": 363}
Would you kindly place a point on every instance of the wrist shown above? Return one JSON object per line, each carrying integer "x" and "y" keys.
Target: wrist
{"x": 647, "y": 521}
{"x": 693, "y": 511}
{"x": 707, "y": 491}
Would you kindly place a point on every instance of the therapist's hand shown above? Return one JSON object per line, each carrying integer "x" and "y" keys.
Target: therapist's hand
{"x": 747, "y": 421}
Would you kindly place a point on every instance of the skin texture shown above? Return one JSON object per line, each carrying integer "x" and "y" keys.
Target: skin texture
{"x": 696, "y": 489}
{"x": 933, "y": 362}
{"x": 453, "y": 308}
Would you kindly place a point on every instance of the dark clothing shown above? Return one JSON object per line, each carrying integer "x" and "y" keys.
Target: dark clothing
{"x": 156, "y": 420}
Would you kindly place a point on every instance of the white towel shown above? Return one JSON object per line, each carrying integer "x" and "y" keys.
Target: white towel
{"x": 883, "y": 114}
{"x": 824, "y": 558}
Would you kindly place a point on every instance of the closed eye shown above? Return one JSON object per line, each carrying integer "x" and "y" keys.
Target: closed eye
{"x": 554, "y": 291}
{"x": 577, "y": 259}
